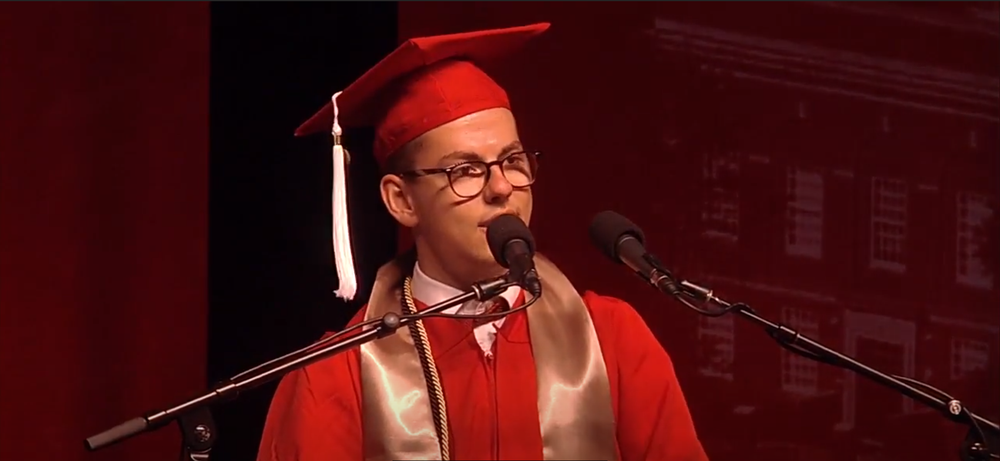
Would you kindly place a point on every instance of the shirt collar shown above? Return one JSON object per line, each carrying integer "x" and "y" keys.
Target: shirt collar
{"x": 431, "y": 292}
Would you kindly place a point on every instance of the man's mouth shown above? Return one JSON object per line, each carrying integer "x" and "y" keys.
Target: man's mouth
{"x": 486, "y": 223}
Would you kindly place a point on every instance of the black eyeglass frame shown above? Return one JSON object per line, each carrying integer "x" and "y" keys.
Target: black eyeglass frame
{"x": 532, "y": 157}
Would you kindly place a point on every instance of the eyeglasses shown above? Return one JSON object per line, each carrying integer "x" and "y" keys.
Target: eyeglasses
{"x": 468, "y": 179}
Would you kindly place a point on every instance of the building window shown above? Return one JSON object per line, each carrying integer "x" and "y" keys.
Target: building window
{"x": 973, "y": 211}
{"x": 800, "y": 375}
{"x": 968, "y": 356}
{"x": 884, "y": 343}
{"x": 717, "y": 338}
{"x": 721, "y": 208}
{"x": 888, "y": 235}
{"x": 804, "y": 231}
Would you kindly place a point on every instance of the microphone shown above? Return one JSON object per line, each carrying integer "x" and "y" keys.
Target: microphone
{"x": 513, "y": 247}
{"x": 623, "y": 242}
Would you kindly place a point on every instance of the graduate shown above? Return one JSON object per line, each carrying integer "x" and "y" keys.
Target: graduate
{"x": 570, "y": 377}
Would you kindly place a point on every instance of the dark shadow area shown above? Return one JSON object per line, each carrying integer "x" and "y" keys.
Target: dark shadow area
{"x": 271, "y": 274}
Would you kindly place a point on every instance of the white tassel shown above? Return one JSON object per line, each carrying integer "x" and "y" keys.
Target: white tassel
{"x": 342, "y": 254}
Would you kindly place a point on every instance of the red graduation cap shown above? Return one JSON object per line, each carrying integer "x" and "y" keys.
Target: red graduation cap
{"x": 425, "y": 83}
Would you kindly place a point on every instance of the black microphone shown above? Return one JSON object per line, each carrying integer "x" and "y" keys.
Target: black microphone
{"x": 623, "y": 242}
{"x": 513, "y": 247}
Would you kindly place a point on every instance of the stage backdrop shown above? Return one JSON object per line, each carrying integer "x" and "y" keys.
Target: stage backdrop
{"x": 831, "y": 165}
{"x": 104, "y": 151}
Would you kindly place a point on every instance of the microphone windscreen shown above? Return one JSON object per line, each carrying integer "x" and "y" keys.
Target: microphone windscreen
{"x": 607, "y": 229}
{"x": 504, "y": 229}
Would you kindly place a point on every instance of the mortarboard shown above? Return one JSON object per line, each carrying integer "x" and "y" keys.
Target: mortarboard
{"x": 425, "y": 83}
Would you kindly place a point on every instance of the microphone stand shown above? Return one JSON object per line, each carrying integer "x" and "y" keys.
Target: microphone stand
{"x": 977, "y": 446}
{"x": 194, "y": 416}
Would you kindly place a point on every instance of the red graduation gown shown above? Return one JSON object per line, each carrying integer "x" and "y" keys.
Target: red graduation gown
{"x": 492, "y": 405}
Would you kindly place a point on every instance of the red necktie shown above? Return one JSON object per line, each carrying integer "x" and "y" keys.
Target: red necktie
{"x": 495, "y": 305}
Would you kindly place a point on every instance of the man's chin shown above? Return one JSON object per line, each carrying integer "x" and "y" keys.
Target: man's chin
{"x": 487, "y": 264}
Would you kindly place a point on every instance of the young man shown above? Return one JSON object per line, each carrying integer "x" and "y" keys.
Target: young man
{"x": 569, "y": 377}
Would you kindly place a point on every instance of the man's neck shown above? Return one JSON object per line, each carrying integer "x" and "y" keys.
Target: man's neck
{"x": 461, "y": 279}
{"x": 435, "y": 271}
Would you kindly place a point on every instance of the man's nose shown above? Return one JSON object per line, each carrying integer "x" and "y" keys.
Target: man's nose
{"x": 498, "y": 186}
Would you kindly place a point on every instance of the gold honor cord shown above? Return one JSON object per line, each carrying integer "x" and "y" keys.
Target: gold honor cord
{"x": 439, "y": 409}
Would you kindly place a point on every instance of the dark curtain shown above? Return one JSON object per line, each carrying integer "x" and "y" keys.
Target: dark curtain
{"x": 104, "y": 151}
{"x": 119, "y": 294}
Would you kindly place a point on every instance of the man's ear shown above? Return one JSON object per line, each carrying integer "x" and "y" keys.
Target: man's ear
{"x": 397, "y": 200}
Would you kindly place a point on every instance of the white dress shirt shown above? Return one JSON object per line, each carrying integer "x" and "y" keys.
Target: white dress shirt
{"x": 430, "y": 292}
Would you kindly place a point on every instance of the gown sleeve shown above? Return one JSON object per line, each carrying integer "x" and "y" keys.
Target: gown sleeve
{"x": 315, "y": 414}
{"x": 654, "y": 423}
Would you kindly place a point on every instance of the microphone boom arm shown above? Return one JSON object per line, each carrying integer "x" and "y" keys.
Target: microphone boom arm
{"x": 623, "y": 242}
{"x": 798, "y": 343}
{"x": 194, "y": 417}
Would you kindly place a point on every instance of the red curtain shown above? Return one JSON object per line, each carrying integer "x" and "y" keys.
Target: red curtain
{"x": 104, "y": 150}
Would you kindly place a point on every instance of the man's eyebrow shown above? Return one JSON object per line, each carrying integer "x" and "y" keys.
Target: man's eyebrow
{"x": 512, "y": 147}
{"x": 472, "y": 156}
{"x": 459, "y": 155}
